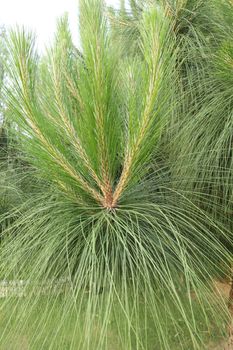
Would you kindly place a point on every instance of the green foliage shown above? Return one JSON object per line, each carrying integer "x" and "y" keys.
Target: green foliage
{"x": 84, "y": 119}
{"x": 2, "y": 75}
{"x": 203, "y": 142}
{"x": 198, "y": 138}
{"x": 129, "y": 234}
{"x": 2, "y": 61}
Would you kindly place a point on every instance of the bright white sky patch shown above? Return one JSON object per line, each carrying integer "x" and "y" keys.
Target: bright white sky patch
{"x": 41, "y": 15}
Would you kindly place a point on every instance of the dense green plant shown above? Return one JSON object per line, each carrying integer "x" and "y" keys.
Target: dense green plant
{"x": 204, "y": 138}
{"x": 2, "y": 73}
{"x": 197, "y": 139}
{"x": 12, "y": 171}
{"x": 134, "y": 255}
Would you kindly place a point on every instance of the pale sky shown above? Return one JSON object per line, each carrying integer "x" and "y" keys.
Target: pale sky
{"x": 40, "y": 16}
